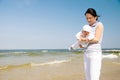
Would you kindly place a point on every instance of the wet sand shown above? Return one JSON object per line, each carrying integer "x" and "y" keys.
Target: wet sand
{"x": 73, "y": 70}
{"x": 110, "y": 69}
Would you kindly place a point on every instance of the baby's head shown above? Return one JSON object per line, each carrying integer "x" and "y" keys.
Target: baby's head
{"x": 86, "y": 29}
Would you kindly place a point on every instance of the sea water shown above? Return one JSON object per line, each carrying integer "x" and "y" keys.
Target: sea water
{"x": 53, "y": 64}
{"x": 15, "y": 58}
{"x": 40, "y": 57}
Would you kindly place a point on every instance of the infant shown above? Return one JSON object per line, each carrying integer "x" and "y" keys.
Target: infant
{"x": 81, "y": 36}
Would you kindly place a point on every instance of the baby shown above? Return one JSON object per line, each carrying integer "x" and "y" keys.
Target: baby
{"x": 81, "y": 36}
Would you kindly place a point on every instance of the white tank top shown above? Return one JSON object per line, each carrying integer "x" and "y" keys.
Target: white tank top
{"x": 94, "y": 26}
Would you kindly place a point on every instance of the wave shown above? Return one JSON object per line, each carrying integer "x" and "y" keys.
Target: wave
{"x": 110, "y": 56}
{"x": 111, "y": 51}
{"x": 43, "y": 52}
{"x": 14, "y": 66}
{"x": 21, "y": 54}
{"x": 50, "y": 63}
{"x": 6, "y": 53}
{"x": 33, "y": 64}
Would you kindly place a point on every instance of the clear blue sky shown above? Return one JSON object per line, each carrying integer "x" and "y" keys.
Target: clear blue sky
{"x": 52, "y": 24}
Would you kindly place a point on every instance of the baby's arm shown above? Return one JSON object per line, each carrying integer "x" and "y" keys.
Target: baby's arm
{"x": 75, "y": 45}
{"x": 81, "y": 39}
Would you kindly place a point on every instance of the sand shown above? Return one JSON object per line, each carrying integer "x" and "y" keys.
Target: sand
{"x": 72, "y": 70}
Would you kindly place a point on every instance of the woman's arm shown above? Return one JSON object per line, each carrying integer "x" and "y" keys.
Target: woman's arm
{"x": 98, "y": 34}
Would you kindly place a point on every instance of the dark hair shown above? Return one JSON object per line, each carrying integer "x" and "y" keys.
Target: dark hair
{"x": 92, "y": 12}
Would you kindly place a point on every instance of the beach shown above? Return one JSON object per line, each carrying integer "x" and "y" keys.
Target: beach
{"x": 53, "y": 65}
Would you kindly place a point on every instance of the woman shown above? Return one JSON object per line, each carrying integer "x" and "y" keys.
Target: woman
{"x": 93, "y": 52}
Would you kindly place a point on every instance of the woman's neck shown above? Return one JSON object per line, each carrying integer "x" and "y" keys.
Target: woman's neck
{"x": 94, "y": 24}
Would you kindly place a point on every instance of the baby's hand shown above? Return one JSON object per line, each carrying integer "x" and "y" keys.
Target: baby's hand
{"x": 84, "y": 39}
{"x": 81, "y": 46}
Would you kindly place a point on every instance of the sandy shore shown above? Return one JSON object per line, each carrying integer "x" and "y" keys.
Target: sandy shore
{"x": 110, "y": 69}
{"x": 73, "y": 70}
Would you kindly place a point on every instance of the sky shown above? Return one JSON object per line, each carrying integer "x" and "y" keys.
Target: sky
{"x": 53, "y": 24}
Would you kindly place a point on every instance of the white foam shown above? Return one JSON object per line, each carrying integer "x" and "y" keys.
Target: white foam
{"x": 111, "y": 56}
{"x": 49, "y": 63}
{"x": 44, "y": 51}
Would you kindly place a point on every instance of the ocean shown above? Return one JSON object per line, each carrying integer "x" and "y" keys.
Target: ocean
{"x": 42, "y": 61}
{"x": 40, "y": 57}
{"x": 19, "y": 58}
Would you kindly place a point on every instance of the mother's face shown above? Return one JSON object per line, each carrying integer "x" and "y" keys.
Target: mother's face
{"x": 91, "y": 19}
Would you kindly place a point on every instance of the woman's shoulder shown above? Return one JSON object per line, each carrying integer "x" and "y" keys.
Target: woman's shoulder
{"x": 100, "y": 24}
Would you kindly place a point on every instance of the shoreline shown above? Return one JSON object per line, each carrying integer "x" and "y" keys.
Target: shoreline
{"x": 71, "y": 70}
